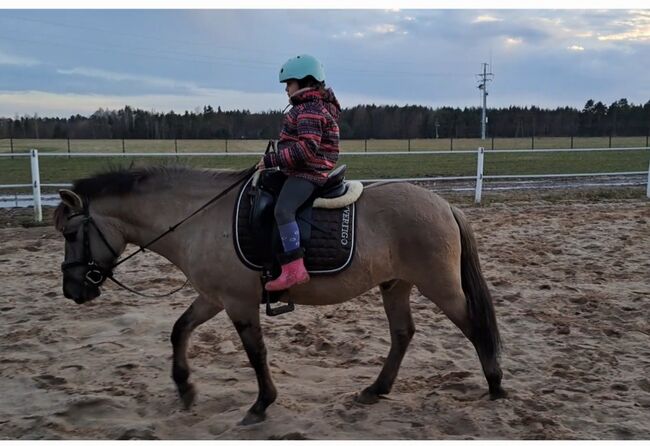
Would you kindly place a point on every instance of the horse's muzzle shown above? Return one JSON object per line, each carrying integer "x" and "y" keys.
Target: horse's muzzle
{"x": 80, "y": 293}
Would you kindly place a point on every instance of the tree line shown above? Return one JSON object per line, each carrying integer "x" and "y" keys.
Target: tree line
{"x": 620, "y": 118}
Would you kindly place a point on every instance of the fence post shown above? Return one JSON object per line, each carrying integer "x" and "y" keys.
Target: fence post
{"x": 226, "y": 145}
{"x": 409, "y": 149}
{"x": 532, "y": 143}
{"x": 646, "y": 140}
{"x": 11, "y": 144}
{"x": 572, "y": 141}
{"x": 365, "y": 145}
{"x": 36, "y": 186}
{"x": 479, "y": 175}
{"x": 610, "y": 141}
{"x": 451, "y": 143}
{"x": 647, "y": 191}
{"x": 493, "y": 143}
{"x": 123, "y": 149}
{"x": 68, "y": 148}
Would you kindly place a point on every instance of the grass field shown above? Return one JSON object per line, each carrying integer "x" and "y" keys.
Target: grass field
{"x": 371, "y": 145}
{"x": 64, "y": 169}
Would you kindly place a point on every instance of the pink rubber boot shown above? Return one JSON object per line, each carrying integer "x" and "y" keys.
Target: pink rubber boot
{"x": 293, "y": 273}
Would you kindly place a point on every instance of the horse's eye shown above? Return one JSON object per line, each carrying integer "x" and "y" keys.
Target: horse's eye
{"x": 70, "y": 236}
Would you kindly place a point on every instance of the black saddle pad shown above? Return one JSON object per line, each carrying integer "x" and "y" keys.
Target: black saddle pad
{"x": 328, "y": 250}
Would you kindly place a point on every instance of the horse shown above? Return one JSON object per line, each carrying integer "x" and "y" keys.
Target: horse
{"x": 407, "y": 236}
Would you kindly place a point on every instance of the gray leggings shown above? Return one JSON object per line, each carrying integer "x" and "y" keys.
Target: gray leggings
{"x": 294, "y": 193}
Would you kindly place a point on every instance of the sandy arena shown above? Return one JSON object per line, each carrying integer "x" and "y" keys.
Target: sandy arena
{"x": 571, "y": 285}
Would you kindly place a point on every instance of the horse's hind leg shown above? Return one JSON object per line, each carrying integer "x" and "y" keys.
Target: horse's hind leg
{"x": 395, "y": 295}
{"x": 452, "y": 301}
{"x": 246, "y": 317}
{"x": 200, "y": 311}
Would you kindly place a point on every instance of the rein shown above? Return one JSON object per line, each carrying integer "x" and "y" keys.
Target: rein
{"x": 96, "y": 274}
{"x": 172, "y": 228}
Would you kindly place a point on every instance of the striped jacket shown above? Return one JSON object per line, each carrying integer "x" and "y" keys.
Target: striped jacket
{"x": 309, "y": 141}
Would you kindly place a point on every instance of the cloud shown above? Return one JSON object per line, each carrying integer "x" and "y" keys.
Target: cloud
{"x": 369, "y": 57}
{"x": 634, "y": 28}
{"x": 633, "y": 35}
{"x": 385, "y": 28}
{"x": 513, "y": 41}
{"x": 486, "y": 18}
{"x": 150, "y": 81}
{"x": 9, "y": 59}
{"x": 115, "y": 76}
{"x": 65, "y": 104}
{"x": 370, "y": 30}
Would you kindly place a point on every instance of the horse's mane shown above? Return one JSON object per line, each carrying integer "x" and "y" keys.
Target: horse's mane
{"x": 123, "y": 181}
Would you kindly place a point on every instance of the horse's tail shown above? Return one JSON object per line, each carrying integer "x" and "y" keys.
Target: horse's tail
{"x": 485, "y": 332}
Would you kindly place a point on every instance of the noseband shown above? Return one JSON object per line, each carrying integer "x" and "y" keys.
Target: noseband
{"x": 96, "y": 274}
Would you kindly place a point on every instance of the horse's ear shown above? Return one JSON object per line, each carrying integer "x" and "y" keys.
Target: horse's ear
{"x": 70, "y": 199}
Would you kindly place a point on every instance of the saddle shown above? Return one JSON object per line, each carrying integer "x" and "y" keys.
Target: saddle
{"x": 326, "y": 222}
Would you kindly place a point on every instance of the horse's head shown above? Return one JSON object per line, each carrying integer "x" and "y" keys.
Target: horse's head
{"x": 92, "y": 246}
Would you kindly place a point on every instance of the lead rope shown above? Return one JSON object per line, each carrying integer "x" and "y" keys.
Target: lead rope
{"x": 117, "y": 282}
{"x": 172, "y": 228}
{"x": 247, "y": 173}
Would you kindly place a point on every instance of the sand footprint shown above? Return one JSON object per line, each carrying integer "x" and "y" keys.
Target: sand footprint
{"x": 45, "y": 381}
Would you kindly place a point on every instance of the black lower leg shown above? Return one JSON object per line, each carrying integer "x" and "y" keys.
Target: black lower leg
{"x": 180, "y": 369}
{"x": 251, "y": 336}
{"x": 384, "y": 382}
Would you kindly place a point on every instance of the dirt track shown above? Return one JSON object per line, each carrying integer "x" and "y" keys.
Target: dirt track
{"x": 572, "y": 292}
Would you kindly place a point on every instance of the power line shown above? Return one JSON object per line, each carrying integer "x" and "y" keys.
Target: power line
{"x": 211, "y": 45}
{"x": 212, "y": 60}
{"x": 113, "y": 32}
{"x": 146, "y": 52}
{"x": 202, "y": 58}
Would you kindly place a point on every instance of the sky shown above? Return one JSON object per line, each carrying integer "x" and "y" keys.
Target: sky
{"x": 64, "y": 62}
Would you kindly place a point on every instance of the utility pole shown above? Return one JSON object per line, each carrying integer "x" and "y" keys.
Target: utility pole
{"x": 484, "y": 78}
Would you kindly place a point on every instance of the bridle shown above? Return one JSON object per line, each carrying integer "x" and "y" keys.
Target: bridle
{"x": 97, "y": 274}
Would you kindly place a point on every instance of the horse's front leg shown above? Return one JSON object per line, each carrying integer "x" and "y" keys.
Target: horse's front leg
{"x": 246, "y": 318}
{"x": 201, "y": 310}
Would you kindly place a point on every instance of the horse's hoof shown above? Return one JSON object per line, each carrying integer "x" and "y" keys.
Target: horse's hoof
{"x": 188, "y": 395}
{"x": 498, "y": 394}
{"x": 252, "y": 418}
{"x": 367, "y": 397}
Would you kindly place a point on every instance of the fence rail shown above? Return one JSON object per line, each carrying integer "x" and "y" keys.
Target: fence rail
{"x": 478, "y": 178}
{"x": 17, "y": 145}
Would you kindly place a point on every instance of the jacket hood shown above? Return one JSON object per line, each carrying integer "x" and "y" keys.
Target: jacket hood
{"x": 311, "y": 94}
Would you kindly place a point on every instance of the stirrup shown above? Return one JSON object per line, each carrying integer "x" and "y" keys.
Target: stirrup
{"x": 266, "y": 297}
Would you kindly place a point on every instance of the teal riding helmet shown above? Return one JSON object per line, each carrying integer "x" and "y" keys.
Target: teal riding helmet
{"x": 300, "y": 67}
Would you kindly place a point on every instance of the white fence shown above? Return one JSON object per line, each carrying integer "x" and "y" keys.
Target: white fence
{"x": 479, "y": 178}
